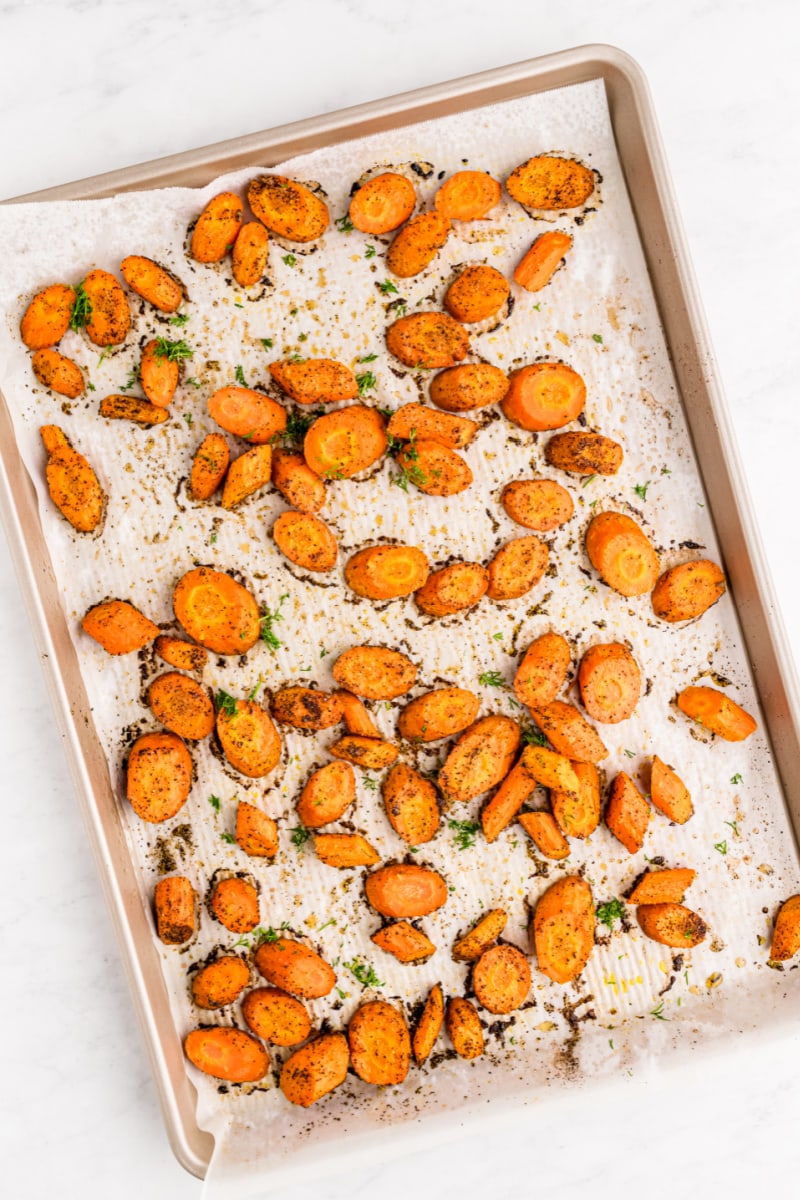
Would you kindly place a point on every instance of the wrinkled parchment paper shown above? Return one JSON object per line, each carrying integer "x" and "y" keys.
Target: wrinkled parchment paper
{"x": 636, "y": 1004}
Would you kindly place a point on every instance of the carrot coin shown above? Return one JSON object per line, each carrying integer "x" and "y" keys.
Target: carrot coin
{"x": 226, "y": 1053}
{"x": 472, "y": 385}
{"x": 383, "y": 203}
{"x": 345, "y": 442}
{"x": 110, "y": 317}
{"x": 467, "y": 196}
{"x": 405, "y": 890}
{"x": 387, "y": 572}
{"x": 249, "y": 739}
{"x": 250, "y": 253}
{"x": 452, "y": 589}
{"x": 610, "y": 682}
{"x": 621, "y": 553}
{"x": 152, "y": 282}
{"x": 502, "y": 979}
{"x": 536, "y": 268}
{"x": 315, "y": 380}
{"x": 540, "y": 504}
{"x": 159, "y": 776}
{"x": 427, "y": 339}
{"x": 210, "y": 462}
{"x": 549, "y": 183}
{"x": 717, "y": 712}
{"x": 58, "y": 373}
{"x": 306, "y": 541}
{"x": 247, "y": 414}
{"x": 288, "y": 208}
{"x": 416, "y": 245}
{"x": 476, "y": 294}
{"x": 516, "y": 568}
{"x": 544, "y": 395}
{"x": 182, "y": 705}
{"x": 118, "y": 627}
{"x": 216, "y": 611}
{"x": 216, "y": 228}
{"x": 234, "y": 903}
{"x": 542, "y": 670}
{"x": 375, "y": 672}
{"x": 47, "y": 317}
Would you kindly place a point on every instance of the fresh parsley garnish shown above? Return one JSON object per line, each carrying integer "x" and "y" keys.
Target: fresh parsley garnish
{"x": 179, "y": 319}
{"x": 532, "y": 736}
{"x": 225, "y": 703}
{"x": 370, "y": 251}
{"x": 736, "y": 779}
{"x": 464, "y": 833}
{"x": 239, "y": 376}
{"x": 173, "y": 351}
{"x": 721, "y": 847}
{"x": 588, "y": 480}
{"x": 387, "y": 287}
{"x": 364, "y": 973}
{"x": 269, "y": 618}
{"x": 658, "y": 1012}
{"x": 596, "y": 337}
{"x": 300, "y": 836}
{"x": 344, "y": 224}
{"x": 133, "y": 376}
{"x": 641, "y": 489}
{"x": 290, "y": 260}
{"x": 366, "y": 381}
{"x": 271, "y": 935}
{"x": 229, "y": 838}
{"x": 214, "y": 801}
{"x": 609, "y": 912}
{"x": 189, "y": 419}
{"x": 491, "y": 679}
{"x": 81, "y": 310}
{"x": 367, "y": 358}
{"x": 369, "y": 783}
{"x": 299, "y": 423}
{"x": 266, "y": 343}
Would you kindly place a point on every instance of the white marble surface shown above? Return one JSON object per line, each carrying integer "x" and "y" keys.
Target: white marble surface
{"x": 86, "y": 87}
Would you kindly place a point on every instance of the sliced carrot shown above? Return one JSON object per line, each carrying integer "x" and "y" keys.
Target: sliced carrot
{"x": 717, "y": 712}
{"x": 158, "y": 375}
{"x": 256, "y": 833}
{"x": 315, "y": 1069}
{"x": 405, "y": 890}
{"x": 118, "y": 627}
{"x": 662, "y": 887}
{"x": 276, "y": 1017}
{"x": 180, "y": 654}
{"x": 786, "y": 931}
{"x": 132, "y": 408}
{"x": 610, "y": 682}
{"x": 288, "y": 208}
{"x": 327, "y": 795}
{"x": 246, "y": 475}
{"x": 387, "y": 572}
{"x": 435, "y": 469}
{"x": 176, "y": 910}
{"x": 542, "y": 671}
{"x": 416, "y": 245}
{"x": 502, "y": 979}
{"x": 306, "y": 541}
{"x": 295, "y": 967}
{"x": 452, "y": 589}
{"x": 438, "y": 714}
{"x": 476, "y": 294}
{"x": 544, "y": 395}
{"x": 152, "y": 282}
{"x": 250, "y": 253}
{"x": 543, "y": 830}
{"x": 672, "y": 925}
{"x": 58, "y": 373}
{"x": 345, "y": 850}
{"x": 383, "y": 203}
{"x": 538, "y": 266}
{"x": 414, "y": 421}
{"x": 249, "y": 739}
{"x": 540, "y": 504}
{"x": 569, "y": 733}
{"x": 315, "y": 380}
{"x": 584, "y": 453}
{"x": 517, "y": 787}
{"x": 404, "y": 941}
{"x": 234, "y": 903}
{"x": 563, "y": 928}
{"x": 247, "y": 414}
{"x": 110, "y": 317}
{"x": 516, "y": 568}
{"x": 480, "y": 759}
{"x": 464, "y": 1028}
{"x": 550, "y": 769}
{"x": 220, "y": 982}
{"x": 210, "y": 462}
{"x": 427, "y": 339}
{"x": 473, "y": 385}
{"x": 72, "y": 483}
{"x": 483, "y": 933}
{"x": 182, "y": 705}
{"x": 306, "y": 708}
{"x": 355, "y": 716}
{"x": 380, "y": 1045}
{"x": 226, "y": 1053}
{"x": 47, "y": 317}
{"x": 549, "y": 182}
{"x": 216, "y": 611}
{"x": 371, "y": 754}
{"x": 297, "y": 483}
{"x": 578, "y": 815}
{"x": 688, "y": 590}
{"x": 375, "y": 672}
{"x": 621, "y": 553}
{"x": 411, "y": 805}
{"x": 669, "y": 794}
{"x": 467, "y": 196}
{"x": 345, "y": 442}
{"x": 429, "y": 1025}
{"x": 627, "y": 814}
{"x": 216, "y": 228}
{"x": 159, "y": 776}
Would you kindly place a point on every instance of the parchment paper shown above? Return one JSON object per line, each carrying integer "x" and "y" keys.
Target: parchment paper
{"x": 635, "y": 1004}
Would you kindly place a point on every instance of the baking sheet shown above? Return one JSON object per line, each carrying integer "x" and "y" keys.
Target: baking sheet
{"x": 598, "y": 315}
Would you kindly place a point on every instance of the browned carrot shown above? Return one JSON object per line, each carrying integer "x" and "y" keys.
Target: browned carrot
{"x": 297, "y": 483}
{"x": 216, "y": 228}
{"x": 416, "y": 245}
{"x": 405, "y": 890}
{"x": 542, "y": 670}
{"x": 369, "y": 753}
{"x": 58, "y": 373}
{"x": 467, "y": 196}
{"x": 433, "y": 468}
{"x": 627, "y": 814}
{"x": 345, "y": 442}
{"x": 345, "y": 850}
{"x": 110, "y": 317}
{"x": 504, "y": 805}
{"x": 375, "y": 672}
{"x": 662, "y": 887}
{"x": 152, "y": 282}
{"x": 481, "y": 936}
{"x": 386, "y": 572}
{"x": 516, "y": 568}
{"x": 327, "y": 795}
{"x": 315, "y": 1069}
{"x": 438, "y": 714}
{"x": 176, "y": 910}
{"x": 584, "y": 453}
{"x": 548, "y": 182}
{"x": 429, "y": 1025}
{"x": 540, "y": 504}
{"x": 220, "y": 982}
{"x": 276, "y": 1017}
{"x": 47, "y": 317}
{"x": 380, "y": 1045}
{"x": 671, "y": 925}
{"x": 569, "y": 732}
{"x": 209, "y": 465}
{"x": 355, "y": 716}
{"x": 473, "y": 385}
{"x": 578, "y": 815}
{"x": 452, "y": 589}
{"x": 180, "y": 654}
{"x": 544, "y": 395}
{"x": 234, "y": 903}
{"x": 427, "y": 339}
{"x": 411, "y": 805}
{"x": 538, "y": 266}
{"x": 480, "y": 759}
{"x": 563, "y": 928}
{"x": 226, "y": 1053}
{"x": 216, "y": 611}
{"x": 717, "y": 712}
{"x": 159, "y": 776}
{"x": 669, "y": 794}
{"x": 249, "y": 739}
{"x": 621, "y": 553}
{"x": 306, "y": 541}
{"x": 786, "y": 932}
{"x": 502, "y": 979}
{"x": 295, "y": 967}
{"x": 246, "y": 475}
{"x": 250, "y": 253}
{"x": 414, "y": 421}
{"x": 182, "y": 705}
{"x": 288, "y": 208}
{"x": 476, "y": 294}
{"x": 542, "y": 829}
{"x": 73, "y": 486}
{"x": 247, "y": 414}
{"x": 610, "y": 682}
{"x": 118, "y": 627}
{"x": 158, "y": 375}
{"x": 306, "y": 708}
{"x": 315, "y": 380}
{"x": 132, "y": 408}
{"x": 256, "y": 833}
{"x": 383, "y": 203}
{"x": 550, "y": 769}
{"x": 464, "y": 1028}
{"x": 688, "y": 590}
{"x": 404, "y": 941}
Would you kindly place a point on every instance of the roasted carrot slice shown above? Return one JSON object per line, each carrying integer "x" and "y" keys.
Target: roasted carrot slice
{"x": 220, "y": 982}
{"x": 542, "y": 829}
{"x": 544, "y": 395}
{"x": 295, "y": 967}
{"x": 152, "y": 282}
{"x": 427, "y": 339}
{"x": 234, "y": 903}
{"x": 249, "y": 739}
{"x": 404, "y": 941}
{"x": 297, "y": 483}
{"x": 210, "y": 462}
{"x": 473, "y": 385}
{"x": 383, "y": 203}
{"x": 433, "y": 468}
{"x": 132, "y": 408}
{"x": 182, "y": 705}
{"x": 47, "y": 317}
{"x": 548, "y": 182}
{"x": 375, "y": 672}
{"x": 276, "y": 1017}
{"x": 671, "y": 925}
{"x": 467, "y": 196}
{"x": 387, "y": 572}
{"x": 247, "y": 414}
{"x": 118, "y": 627}
{"x": 405, "y": 890}
{"x": 481, "y": 758}
{"x": 315, "y": 1069}
{"x": 662, "y": 887}
{"x": 464, "y": 1028}
{"x": 327, "y": 795}
{"x": 216, "y": 611}
{"x": 246, "y": 475}
{"x": 176, "y": 910}
{"x": 216, "y": 228}
{"x": 502, "y": 979}
{"x": 550, "y": 769}
{"x": 563, "y": 928}
{"x": 584, "y": 453}
{"x": 180, "y": 654}
{"x": 627, "y": 813}
{"x": 542, "y": 670}
{"x": 578, "y": 815}
{"x": 73, "y": 486}
{"x": 411, "y": 805}
{"x": 306, "y": 541}
{"x": 452, "y": 589}
{"x": 540, "y": 504}
{"x": 538, "y": 266}
{"x": 355, "y": 716}
{"x": 717, "y": 712}
{"x": 256, "y": 833}
{"x": 110, "y": 317}
{"x": 371, "y": 754}
{"x": 610, "y": 682}
{"x": 621, "y": 553}
{"x": 416, "y": 245}
{"x": 58, "y": 373}
{"x": 343, "y": 443}
{"x": 568, "y": 732}
{"x": 159, "y": 776}
{"x": 158, "y": 375}
{"x": 414, "y": 421}
{"x": 516, "y": 568}
{"x": 380, "y": 1045}
{"x": 288, "y": 208}
{"x": 226, "y": 1053}
{"x": 438, "y": 714}
{"x": 429, "y": 1025}
{"x": 481, "y": 936}
{"x": 669, "y": 794}
{"x": 476, "y": 294}
{"x": 315, "y": 380}
{"x": 306, "y": 708}
{"x": 688, "y": 590}
{"x": 517, "y": 787}
{"x": 250, "y": 253}
{"x": 345, "y": 850}
{"x": 786, "y": 932}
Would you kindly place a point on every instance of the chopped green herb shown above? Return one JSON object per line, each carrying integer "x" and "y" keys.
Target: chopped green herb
{"x": 734, "y": 826}
{"x": 238, "y": 304}
{"x": 173, "y": 351}
{"x": 370, "y": 783}
{"x": 497, "y": 637}
{"x": 252, "y": 695}
{"x": 344, "y": 224}
{"x": 366, "y": 381}
{"x": 666, "y": 471}
{"x": 266, "y": 343}
{"x": 327, "y": 923}
{"x": 103, "y": 357}
{"x": 596, "y": 337}
{"x": 291, "y": 261}
{"x": 297, "y": 358}
{"x": 179, "y": 319}
{"x": 213, "y": 538}
{"x": 387, "y": 287}
{"x": 81, "y": 309}
{"x": 193, "y": 382}
{"x": 491, "y": 679}
{"x": 229, "y": 838}
{"x": 300, "y": 836}
{"x": 611, "y": 1043}
{"x": 370, "y": 251}
{"x": 629, "y": 753}
{"x": 721, "y": 847}
{"x": 189, "y": 419}
{"x": 609, "y": 912}
{"x": 323, "y": 652}
{"x": 91, "y": 387}
{"x": 342, "y": 995}
{"x": 298, "y": 424}
{"x": 214, "y": 801}
{"x": 658, "y": 1012}
{"x": 225, "y": 703}
{"x": 588, "y": 480}
{"x": 641, "y": 489}
{"x": 133, "y": 376}
{"x": 538, "y": 307}
{"x": 269, "y": 618}
{"x": 364, "y": 973}
{"x": 271, "y": 935}
{"x": 239, "y": 376}
{"x": 367, "y": 358}
{"x": 532, "y": 736}
{"x": 736, "y": 779}
{"x": 464, "y": 833}
{"x": 302, "y": 337}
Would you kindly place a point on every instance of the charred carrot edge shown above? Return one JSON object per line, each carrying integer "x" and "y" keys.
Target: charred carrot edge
{"x": 306, "y": 708}
{"x": 132, "y": 408}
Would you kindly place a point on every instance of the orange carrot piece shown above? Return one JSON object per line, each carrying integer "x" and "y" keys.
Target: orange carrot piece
{"x": 550, "y": 769}
{"x": 387, "y": 572}
{"x": 297, "y": 483}
{"x": 327, "y": 795}
{"x": 435, "y": 469}
{"x": 481, "y": 936}
{"x": 578, "y": 815}
{"x": 58, "y": 373}
{"x": 249, "y": 739}
{"x": 380, "y": 1045}
{"x": 405, "y": 890}
{"x": 517, "y": 787}
{"x": 538, "y": 266}
{"x": 182, "y": 705}
{"x": 786, "y": 931}
{"x": 250, "y": 253}
{"x": 621, "y": 553}
{"x": 72, "y": 483}
{"x": 176, "y": 910}
{"x": 568, "y": 732}
{"x": 345, "y": 850}
{"x": 226, "y": 1053}
{"x": 209, "y": 465}
{"x": 306, "y": 541}
{"x": 542, "y": 671}
{"x": 152, "y": 282}
{"x": 180, "y": 654}
{"x": 247, "y": 414}
{"x": 315, "y": 1069}
{"x": 429, "y": 1025}
{"x": 246, "y": 475}
{"x": 627, "y": 814}
{"x": 476, "y": 294}
{"x": 427, "y": 339}
{"x": 464, "y": 1028}
{"x": 220, "y": 982}
{"x": 688, "y": 590}
{"x": 480, "y": 759}
{"x": 473, "y": 385}
{"x": 383, "y": 203}
{"x": 375, "y": 672}
{"x": 540, "y": 504}
{"x": 306, "y": 708}
{"x": 276, "y": 1017}
{"x": 404, "y": 941}
{"x": 158, "y": 375}
{"x": 118, "y": 627}
{"x": 216, "y": 611}
{"x": 467, "y": 196}
{"x": 563, "y": 928}
{"x": 47, "y": 317}
{"x": 355, "y": 716}
{"x": 501, "y": 979}
{"x": 369, "y": 753}
{"x": 110, "y": 317}
{"x": 256, "y": 833}
{"x": 669, "y": 794}
{"x": 414, "y": 421}
{"x": 416, "y": 245}
{"x": 584, "y": 453}
{"x": 234, "y": 903}
{"x": 288, "y": 208}
{"x": 610, "y": 682}
{"x": 542, "y": 829}
{"x": 517, "y": 568}
{"x": 717, "y": 712}
{"x": 295, "y": 967}
{"x": 411, "y": 805}
{"x": 452, "y": 589}
{"x": 544, "y": 395}
{"x": 548, "y": 182}
{"x": 662, "y": 887}
{"x": 315, "y": 380}
{"x": 438, "y": 714}
{"x": 216, "y": 228}
{"x": 671, "y": 925}
{"x": 132, "y": 408}
{"x": 345, "y": 442}
{"x": 159, "y": 776}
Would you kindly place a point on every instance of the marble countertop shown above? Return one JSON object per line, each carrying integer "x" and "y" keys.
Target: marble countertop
{"x": 88, "y": 86}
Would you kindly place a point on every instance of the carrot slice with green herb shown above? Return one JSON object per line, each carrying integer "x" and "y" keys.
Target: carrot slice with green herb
{"x": 414, "y": 421}
{"x": 158, "y": 375}
{"x": 383, "y": 203}
{"x": 435, "y": 469}
{"x": 216, "y": 611}
{"x": 249, "y": 739}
